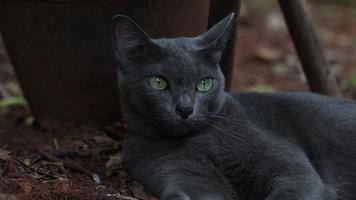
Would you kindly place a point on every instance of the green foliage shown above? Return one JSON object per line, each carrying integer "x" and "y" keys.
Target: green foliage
{"x": 13, "y": 101}
{"x": 350, "y": 82}
{"x": 29, "y": 120}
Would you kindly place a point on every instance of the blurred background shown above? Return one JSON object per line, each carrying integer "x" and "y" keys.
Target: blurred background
{"x": 266, "y": 59}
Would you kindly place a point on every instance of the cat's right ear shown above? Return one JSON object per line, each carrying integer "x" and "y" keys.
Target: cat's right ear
{"x": 214, "y": 41}
{"x": 130, "y": 42}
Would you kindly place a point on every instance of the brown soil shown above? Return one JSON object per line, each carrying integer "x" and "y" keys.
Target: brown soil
{"x": 29, "y": 175}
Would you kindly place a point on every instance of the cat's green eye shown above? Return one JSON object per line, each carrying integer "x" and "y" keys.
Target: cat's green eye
{"x": 157, "y": 83}
{"x": 205, "y": 84}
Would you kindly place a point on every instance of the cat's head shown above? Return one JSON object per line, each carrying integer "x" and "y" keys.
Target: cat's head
{"x": 171, "y": 86}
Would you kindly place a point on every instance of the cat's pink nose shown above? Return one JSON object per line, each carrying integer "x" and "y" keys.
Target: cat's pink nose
{"x": 184, "y": 111}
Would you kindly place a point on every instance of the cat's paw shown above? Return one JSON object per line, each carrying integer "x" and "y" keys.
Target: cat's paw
{"x": 179, "y": 195}
{"x": 175, "y": 196}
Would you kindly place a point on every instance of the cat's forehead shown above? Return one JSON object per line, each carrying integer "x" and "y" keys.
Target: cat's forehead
{"x": 177, "y": 47}
{"x": 180, "y": 56}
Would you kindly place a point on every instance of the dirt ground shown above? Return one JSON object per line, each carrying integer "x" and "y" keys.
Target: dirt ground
{"x": 62, "y": 162}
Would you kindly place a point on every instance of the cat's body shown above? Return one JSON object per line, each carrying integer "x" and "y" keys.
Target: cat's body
{"x": 258, "y": 142}
{"x": 188, "y": 139}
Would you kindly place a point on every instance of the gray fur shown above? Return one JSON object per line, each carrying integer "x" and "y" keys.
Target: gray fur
{"x": 251, "y": 146}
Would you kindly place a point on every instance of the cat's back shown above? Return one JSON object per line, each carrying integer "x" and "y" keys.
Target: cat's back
{"x": 300, "y": 107}
{"x": 294, "y": 100}
{"x": 324, "y": 128}
{"x": 307, "y": 116}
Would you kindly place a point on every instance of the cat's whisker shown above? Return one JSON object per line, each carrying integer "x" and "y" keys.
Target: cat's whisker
{"x": 230, "y": 121}
{"x": 224, "y": 117}
{"x": 226, "y": 132}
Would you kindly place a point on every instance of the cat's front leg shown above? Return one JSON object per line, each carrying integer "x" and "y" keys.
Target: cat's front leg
{"x": 305, "y": 184}
{"x": 302, "y": 190}
{"x": 180, "y": 176}
{"x": 192, "y": 181}
{"x": 179, "y": 194}
{"x": 194, "y": 188}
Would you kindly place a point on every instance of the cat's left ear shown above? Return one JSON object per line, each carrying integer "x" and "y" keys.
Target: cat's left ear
{"x": 130, "y": 42}
{"x": 214, "y": 41}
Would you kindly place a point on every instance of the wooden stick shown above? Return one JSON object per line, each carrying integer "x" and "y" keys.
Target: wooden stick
{"x": 308, "y": 48}
{"x": 218, "y": 10}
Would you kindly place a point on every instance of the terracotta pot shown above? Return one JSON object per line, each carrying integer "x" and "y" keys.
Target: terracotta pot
{"x": 61, "y": 50}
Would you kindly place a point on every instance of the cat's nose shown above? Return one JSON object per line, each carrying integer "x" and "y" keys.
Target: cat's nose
{"x": 184, "y": 111}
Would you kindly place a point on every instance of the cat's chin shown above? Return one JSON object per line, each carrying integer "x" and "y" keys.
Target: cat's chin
{"x": 181, "y": 131}
{"x": 180, "y": 135}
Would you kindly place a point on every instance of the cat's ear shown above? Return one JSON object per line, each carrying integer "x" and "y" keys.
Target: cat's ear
{"x": 130, "y": 42}
{"x": 214, "y": 41}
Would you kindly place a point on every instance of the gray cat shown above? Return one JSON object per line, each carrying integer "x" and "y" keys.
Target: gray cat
{"x": 189, "y": 139}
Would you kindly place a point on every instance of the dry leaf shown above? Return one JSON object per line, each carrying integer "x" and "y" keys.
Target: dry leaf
{"x": 27, "y": 161}
{"x": 114, "y": 165}
{"x": 138, "y": 190}
{"x": 269, "y": 54}
{"x": 4, "y": 155}
{"x": 7, "y": 196}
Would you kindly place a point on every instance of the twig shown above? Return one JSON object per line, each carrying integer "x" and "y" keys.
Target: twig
{"x": 35, "y": 170}
{"x": 75, "y": 154}
{"x": 35, "y": 160}
{"x": 55, "y": 143}
{"x": 59, "y": 165}
{"x": 41, "y": 176}
{"x": 120, "y": 196}
{"x": 95, "y": 177}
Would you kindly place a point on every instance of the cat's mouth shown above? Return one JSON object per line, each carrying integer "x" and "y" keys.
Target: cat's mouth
{"x": 182, "y": 129}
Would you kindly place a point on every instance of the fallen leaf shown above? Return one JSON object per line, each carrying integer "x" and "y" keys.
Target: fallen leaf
{"x": 269, "y": 54}
{"x": 138, "y": 190}
{"x": 7, "y": 196}
{"x": 102, "y": 140}
{"x": 114, "y": 165}
{"x": 4, "y": 155}
{"x": 27, "y": 161}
